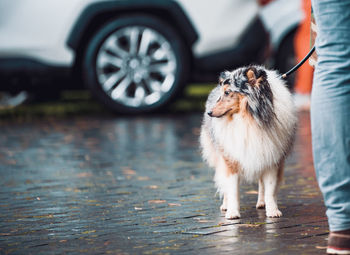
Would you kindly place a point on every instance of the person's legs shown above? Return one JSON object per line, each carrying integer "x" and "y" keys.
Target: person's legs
{"x": 330, "y": 109}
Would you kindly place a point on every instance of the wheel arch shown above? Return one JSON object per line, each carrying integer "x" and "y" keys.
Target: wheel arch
{"x": 286, "y": 36}
{"x": 96, "y": 15}
{"x": 291, "y": 30}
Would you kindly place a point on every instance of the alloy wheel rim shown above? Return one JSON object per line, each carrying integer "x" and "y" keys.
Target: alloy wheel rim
{"x": 136, "y": 66}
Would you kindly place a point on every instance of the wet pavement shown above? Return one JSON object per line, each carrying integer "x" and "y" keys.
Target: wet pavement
{"x": 118, "y": 185}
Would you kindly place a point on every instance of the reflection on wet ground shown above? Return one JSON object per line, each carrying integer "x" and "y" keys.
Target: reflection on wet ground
{"x": 138, "y": 185}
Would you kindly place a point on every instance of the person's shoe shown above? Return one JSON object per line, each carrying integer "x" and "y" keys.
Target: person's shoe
{"x": 339, "y": 242}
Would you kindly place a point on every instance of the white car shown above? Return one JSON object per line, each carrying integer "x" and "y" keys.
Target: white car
{"x": 134, "y": 55}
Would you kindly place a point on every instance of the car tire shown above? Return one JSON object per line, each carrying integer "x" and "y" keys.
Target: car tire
{"x": 135, "y": 64}
{"x": 285, "y": 58}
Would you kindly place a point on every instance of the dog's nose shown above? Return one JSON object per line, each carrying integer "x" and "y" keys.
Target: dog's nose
{"x": 210, "y": 113}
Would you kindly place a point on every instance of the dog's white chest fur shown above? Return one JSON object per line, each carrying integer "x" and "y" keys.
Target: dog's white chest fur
{"x": 254, "y": 149}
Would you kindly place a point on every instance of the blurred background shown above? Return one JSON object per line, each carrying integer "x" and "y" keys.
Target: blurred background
{"x": 81, "y": 174}
{"x": 62, "y": 57}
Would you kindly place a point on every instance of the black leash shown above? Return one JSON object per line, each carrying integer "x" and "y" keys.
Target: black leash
{"x": 285, "y": 75}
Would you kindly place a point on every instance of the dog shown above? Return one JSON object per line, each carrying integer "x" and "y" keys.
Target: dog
{"x": 247, "y": 131}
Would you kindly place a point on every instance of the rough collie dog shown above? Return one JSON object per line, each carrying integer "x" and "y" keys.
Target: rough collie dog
{"x": 247, "y": 132}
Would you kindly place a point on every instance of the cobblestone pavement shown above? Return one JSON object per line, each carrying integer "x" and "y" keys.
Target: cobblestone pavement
{"x": 118, "y": 185}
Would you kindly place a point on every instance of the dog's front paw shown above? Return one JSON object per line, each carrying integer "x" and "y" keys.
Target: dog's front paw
{"x": 260, "y": 205}
{"x": 223, "y": 207}
{"x": 232, "y": 214}
{"x": 275, "y": 213}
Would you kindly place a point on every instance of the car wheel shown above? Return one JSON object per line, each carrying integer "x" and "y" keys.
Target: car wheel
{"x": 285, "y": 58}
{"x": 135, "y": 64}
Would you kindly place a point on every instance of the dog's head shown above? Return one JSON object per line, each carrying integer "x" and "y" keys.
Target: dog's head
{"x": 244, "y": 90}
{"x": 229, "y": 101}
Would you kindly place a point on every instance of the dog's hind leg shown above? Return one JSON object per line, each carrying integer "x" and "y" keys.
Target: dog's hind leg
{"x": 270, "y": 181}
{"x": 261, "y": 201}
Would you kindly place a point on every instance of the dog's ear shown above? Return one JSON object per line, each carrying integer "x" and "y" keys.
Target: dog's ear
{"x": 255, "y": 77}
{"x": 251, "y": 76}
{"x": 225, "y": 78}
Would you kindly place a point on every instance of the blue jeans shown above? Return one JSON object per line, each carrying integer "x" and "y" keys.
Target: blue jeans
{"x": 330, "y": 109}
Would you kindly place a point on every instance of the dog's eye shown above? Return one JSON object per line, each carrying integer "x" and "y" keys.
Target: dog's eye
{"x": 226, "y": 82}
{"x": 227, "y": 92}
